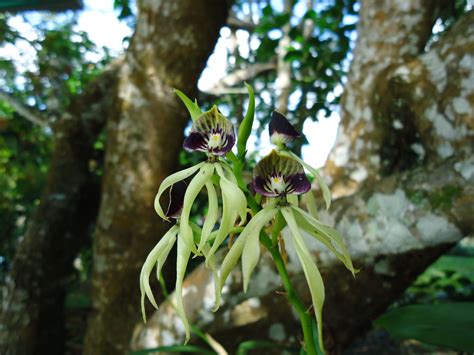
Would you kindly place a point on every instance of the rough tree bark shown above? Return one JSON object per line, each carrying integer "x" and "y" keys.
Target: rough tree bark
{"x": 32, "y": 314}
{"x": 171, "y": 44}
{"x": 404, "y": 162}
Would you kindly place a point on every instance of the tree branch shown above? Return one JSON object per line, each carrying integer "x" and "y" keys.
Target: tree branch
{"x": 24, "y": 111}
{"x": 237, "y": 77}
{"x": 237, "y": 24}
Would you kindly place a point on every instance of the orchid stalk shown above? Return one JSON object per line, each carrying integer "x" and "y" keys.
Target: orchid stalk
{"x": 272, "y": 198}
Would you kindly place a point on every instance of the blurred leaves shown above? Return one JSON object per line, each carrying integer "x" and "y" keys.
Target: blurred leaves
{"x": 438, "y": 307}
{"x": 447, "y": 324}
{"x": 43, "y": 67}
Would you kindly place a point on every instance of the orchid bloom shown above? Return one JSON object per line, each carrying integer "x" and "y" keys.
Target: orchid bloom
{"x": 213, "y": 134}
{"x": 280, "y": 177}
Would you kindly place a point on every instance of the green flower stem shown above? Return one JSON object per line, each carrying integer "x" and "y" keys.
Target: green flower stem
{"x": 293, "y": 297}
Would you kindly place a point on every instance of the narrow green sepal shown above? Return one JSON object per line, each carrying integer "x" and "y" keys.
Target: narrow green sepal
{"x": 245, "y": 128}
{"x": 310, "y": 270}
{"x": 193, "y": 107}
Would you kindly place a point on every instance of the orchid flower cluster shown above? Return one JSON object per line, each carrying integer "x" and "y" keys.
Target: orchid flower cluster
{"x": 272, "y": 198}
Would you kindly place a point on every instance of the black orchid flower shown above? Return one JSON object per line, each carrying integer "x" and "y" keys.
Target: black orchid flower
{"x": 278, "y": 175}
{"x": 211, "y": 133}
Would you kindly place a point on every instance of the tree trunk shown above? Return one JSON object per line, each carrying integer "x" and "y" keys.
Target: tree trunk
{"x": 32, "y": 318}
{"x": 171, "y": 44}
{"x": 404, "y": 160}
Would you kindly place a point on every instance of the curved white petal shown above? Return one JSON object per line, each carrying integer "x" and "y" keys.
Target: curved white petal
{"x": 155, "y": 254}
{"x": 327, "y": 235}
{"x": 182, "y": 259}
{"x": 194, "y": 187}
{"x": 170, "y": 180}
{"x": 311, "y": 272}
{"x": 252, "y": 228}
{"x": 212, "y": 214}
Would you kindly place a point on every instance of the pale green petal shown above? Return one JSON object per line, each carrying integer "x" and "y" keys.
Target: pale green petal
{"x": 194, "y": 187}
{"x": 234, "y": 193}
{"x": 315, "y": 172}
{"x": 324, "y": 189}
{"x": 170, "y": 180}
{"x": 164, "y": 255}
{"x": 212, "y": 215}
{"x": 253, "y": 227}
{"x": 311, "y": 204}
{"x": 293, "y": 199}
{"x": 327, "y": 235}
{"x": 234, "y": 203}
{"x": 147, "y": 267}
{"x": 311, "y": 272}
{"x": 213, "y": 266}
{"x": 227, "y": 222}
{"x": 183, "y": 255}
{"x": 250, "y": 256}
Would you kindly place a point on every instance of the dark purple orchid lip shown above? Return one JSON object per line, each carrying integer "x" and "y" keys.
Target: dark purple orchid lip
{"x": 277, "y": 175}
{"x": 281, "y": 130}
{"x": 176, "y": 195}
{"x": 211, "y": 133}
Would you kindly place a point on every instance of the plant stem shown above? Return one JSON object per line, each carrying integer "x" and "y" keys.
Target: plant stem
{"x": 293, "y": 297}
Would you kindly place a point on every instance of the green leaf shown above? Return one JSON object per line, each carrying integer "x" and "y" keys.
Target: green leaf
{"x": 193, "y": 108}
{"x": 245, "y": 128}
{"x": 174, "y": 349}
{"x": 246, "y": 346}
{"x": 446, "y": 324}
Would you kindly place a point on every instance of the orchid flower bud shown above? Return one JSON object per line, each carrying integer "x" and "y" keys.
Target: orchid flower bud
{"x": 281, "y": 130}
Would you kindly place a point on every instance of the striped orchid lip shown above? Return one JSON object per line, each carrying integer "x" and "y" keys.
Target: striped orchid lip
{"x": 277, "y": 175}
{"x": 211, "y": 133}
{"x": 176, "y": 200}
{"x": 281, "y": 130}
